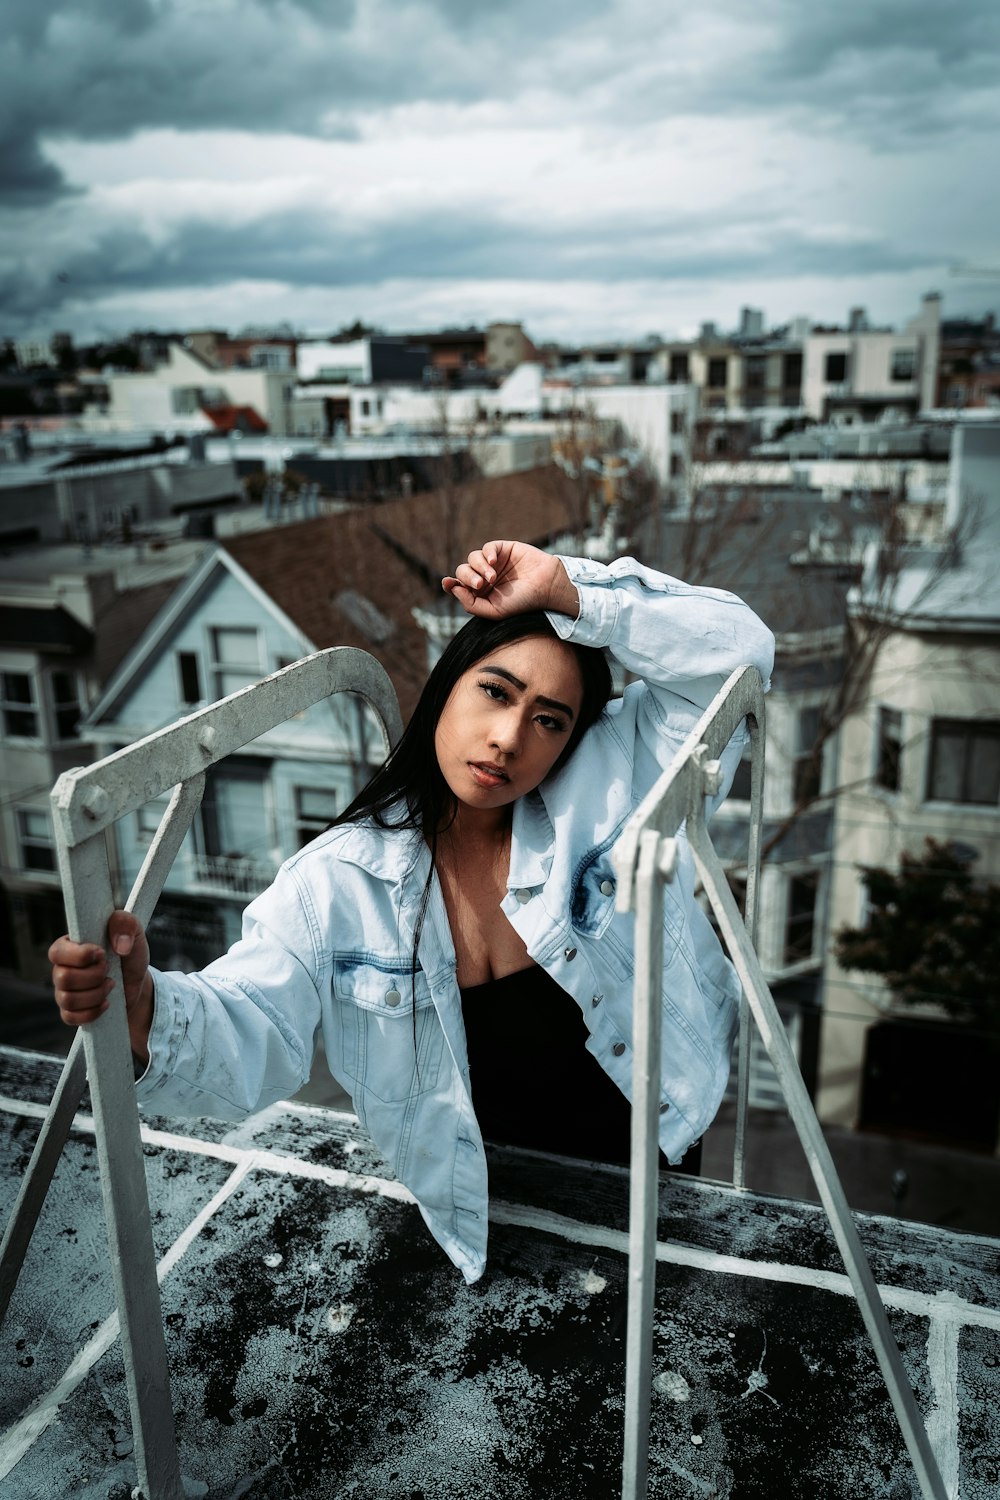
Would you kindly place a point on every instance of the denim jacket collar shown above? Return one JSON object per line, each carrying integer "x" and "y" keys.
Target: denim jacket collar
{"x": 393, "y": 857}
{"x": 532, "y": 843}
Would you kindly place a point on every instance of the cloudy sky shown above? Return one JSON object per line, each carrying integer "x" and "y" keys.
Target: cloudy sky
{"x": 596, "y": 168}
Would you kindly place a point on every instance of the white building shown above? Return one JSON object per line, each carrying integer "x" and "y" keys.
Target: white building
{"x": 218, "y": 632}
{"x": 920, "y": 756}
{"x": 180, "y": 395}
{"x": 859, "y": 372}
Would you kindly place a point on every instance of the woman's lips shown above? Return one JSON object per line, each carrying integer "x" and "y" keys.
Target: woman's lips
{"x": 488, "y": 776}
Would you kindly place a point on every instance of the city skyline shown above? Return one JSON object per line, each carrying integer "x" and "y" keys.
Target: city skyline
{"x": 594, "y": 171}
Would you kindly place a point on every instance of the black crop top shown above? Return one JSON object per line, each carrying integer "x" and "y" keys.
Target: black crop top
{"x": 533, "y": 1081}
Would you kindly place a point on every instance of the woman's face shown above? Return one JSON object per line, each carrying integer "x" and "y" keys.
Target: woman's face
{"x": 507, "y": 720}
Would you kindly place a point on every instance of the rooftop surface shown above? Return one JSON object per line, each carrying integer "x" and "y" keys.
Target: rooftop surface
{"x": 321, "y": 1345}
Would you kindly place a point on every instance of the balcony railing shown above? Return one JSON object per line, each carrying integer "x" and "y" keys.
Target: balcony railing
{"x": 89, "y": 800}
{"x": 231, "y": 875}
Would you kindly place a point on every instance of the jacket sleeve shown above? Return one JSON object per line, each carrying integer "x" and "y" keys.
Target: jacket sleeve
{"x": 682, "y": 641}
{"x": 240, "y": 1035}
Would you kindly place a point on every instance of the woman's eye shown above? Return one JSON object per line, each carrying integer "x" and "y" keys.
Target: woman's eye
{"x": 548, "y": 722}
{"x": 495, "y": 691}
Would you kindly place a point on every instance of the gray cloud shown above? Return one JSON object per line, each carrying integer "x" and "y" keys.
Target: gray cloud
{"x": 105, "y": 69}
{"x": 305, "y": 249}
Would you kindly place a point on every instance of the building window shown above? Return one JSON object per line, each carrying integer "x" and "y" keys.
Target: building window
{"x": 835, "y": 367}
{"x": 34, "y": 835}
{"x": 964, "y": 762}
{"x": 793, "y": 371}
{"x": 190, "y": 677}
{"x": 65, "y": 703}
{"x": 185, "y": 400}
{"x": 800, "y": 919}
{"x": 236, "y": 659}
{"x": 889, "y": 749}
{"x": 678, "y": 368}
{"x": 315, "y": 810}
{"x": 717, "y": 373}
{"x": 903, "y": 365}
{"x": 20, "y": 711}
{"x": 677, "y": 423}
{"x": 756, "y": 368}
{"x": 807, "y": 768}
{"x": 676, "y": 466}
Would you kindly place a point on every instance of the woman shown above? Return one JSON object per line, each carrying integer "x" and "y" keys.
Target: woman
{"x": 474, "y": 873}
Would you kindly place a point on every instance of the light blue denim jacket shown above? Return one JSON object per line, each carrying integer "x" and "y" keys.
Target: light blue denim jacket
{"x": 327, "y": 948}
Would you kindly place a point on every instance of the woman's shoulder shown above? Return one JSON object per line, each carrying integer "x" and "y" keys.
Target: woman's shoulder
{"x": 386, "y": 852}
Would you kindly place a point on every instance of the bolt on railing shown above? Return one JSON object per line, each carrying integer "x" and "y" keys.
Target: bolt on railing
{"x": 86, "y": 803}
{"x": 645, "y": 858}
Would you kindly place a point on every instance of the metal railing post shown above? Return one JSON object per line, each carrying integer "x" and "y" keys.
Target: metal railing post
{"x": 679, "y": 798}
{"x": 86, "y": 803}
{"x": 652, "y": 866}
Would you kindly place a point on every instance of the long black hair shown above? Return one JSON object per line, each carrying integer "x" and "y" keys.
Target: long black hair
{"x": 408, "y": 790}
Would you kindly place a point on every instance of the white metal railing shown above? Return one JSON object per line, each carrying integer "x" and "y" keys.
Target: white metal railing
{"x": 645, "y": 858}
{"x": 88, "y": 801}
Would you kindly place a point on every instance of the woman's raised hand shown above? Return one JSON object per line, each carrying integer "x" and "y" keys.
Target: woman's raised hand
{"x": 508, "y": 578}
{"x": 82, "y": 984}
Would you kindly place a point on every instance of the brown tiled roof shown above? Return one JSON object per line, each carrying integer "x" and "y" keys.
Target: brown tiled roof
{"x": 394, "y": 555}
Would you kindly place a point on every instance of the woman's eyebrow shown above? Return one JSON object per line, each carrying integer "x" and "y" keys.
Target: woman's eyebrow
{"x": 563, "y": 708}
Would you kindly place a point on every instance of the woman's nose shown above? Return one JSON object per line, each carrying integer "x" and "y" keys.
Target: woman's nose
{"x": 505, "y": 734}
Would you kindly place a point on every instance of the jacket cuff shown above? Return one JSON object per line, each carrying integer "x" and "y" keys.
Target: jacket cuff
{"x": 595, "y": 623}
{"x": 165, "y": 1037}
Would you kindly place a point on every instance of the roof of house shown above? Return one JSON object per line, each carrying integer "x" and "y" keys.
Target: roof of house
{"x": 47, "y": 629}
{"x": 121, "y": 624}
{"x": 792, "y": 558}
{"x": 353, "y": 579}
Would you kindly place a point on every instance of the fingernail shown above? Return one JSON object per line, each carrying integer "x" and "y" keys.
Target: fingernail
{"x": 123, "y": 944}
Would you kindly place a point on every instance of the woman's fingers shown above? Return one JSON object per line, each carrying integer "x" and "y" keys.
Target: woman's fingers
{"x": 483, "y": 561}
{"x": 81, "y": 990}
{"x": 471, "y": 578}
{"x": 80, "y": 980}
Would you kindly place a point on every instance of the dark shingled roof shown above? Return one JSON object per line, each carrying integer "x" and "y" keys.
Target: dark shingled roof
{"x": 123, "y": 622}
{"x": 393, "y": 556}
{"x": 45, "y": 629}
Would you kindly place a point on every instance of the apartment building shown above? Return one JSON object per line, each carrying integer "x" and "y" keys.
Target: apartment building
{"x": 920, "y": 756}
{"x": 859, "y": 373}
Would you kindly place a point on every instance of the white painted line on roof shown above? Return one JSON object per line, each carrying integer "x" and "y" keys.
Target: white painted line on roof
{"x": 20, "y": 1053}
{"x": 19, "y": 1438}
{"x": 942, "y": 1420}
{"x": 268, "y": 1161}
{"x": 941, "y": 1305}
{"x": 923, "y": 1304}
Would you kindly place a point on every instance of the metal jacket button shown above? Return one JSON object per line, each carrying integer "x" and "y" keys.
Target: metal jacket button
{"x": 523, "y": 896}
{"x": 607, "y": 887}
{"x": 596, "y": 999}
{"x": 392, "y": 997}
{"x": 569, "y": 954}
{"x": 618, "y": 1048}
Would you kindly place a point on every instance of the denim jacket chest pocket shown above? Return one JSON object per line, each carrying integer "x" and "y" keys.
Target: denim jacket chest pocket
{"x": 391, "y": 1040}
{"x": 593, "y": 903}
